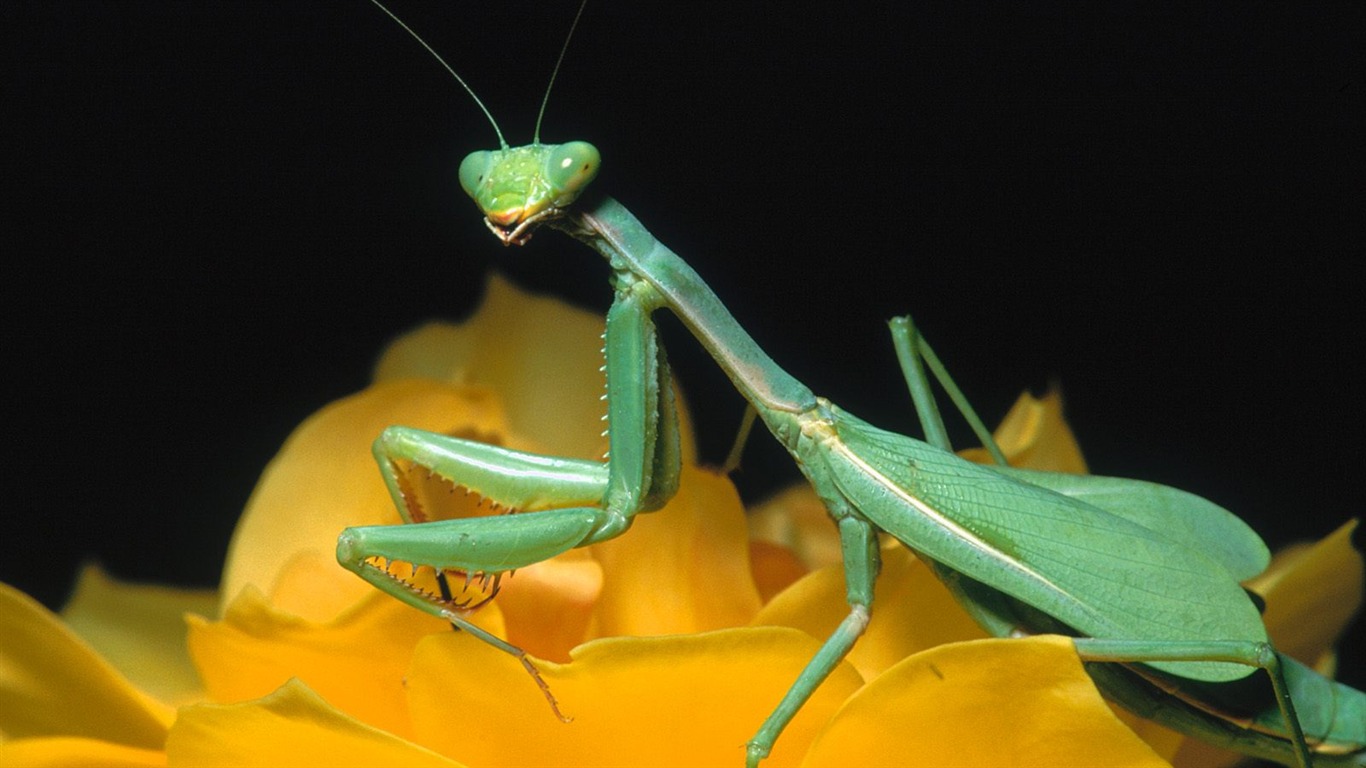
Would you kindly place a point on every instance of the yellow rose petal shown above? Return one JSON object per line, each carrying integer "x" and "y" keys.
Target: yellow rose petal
{"x": 686, "y": 700}
{"x": 541, "y": 355}
{"x": 912, "y": 611}
{"x": 1312, "y": 592}
{"x": 356, "y": 661}
{"x": 795, "y": 518}
{"x": 53, "y": 684}
{"x": 684, "y": 568}
{"x": 775, "y": 568}
{"x": 75, "y": 752}
{"x": 981, "y": 703}
{"x": 292, "y": 726}
{"x": 548, "y": 606}
{"x": 325, "y": 479}
{"x": 140, "y": 629}
{"x": 1034, "y": 435}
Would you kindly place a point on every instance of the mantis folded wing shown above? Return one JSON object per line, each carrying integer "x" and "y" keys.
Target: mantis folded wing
{"x": 1332, "y": 715}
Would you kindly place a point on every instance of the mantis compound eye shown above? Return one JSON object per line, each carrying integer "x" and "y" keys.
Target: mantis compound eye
{"x": 474, "y": 169}
{"x": 569, "y": 168}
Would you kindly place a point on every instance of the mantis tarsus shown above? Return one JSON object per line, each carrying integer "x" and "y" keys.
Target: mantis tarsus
{"x": 1016, "y": 547}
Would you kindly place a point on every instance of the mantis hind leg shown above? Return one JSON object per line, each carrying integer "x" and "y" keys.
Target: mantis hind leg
{"x": 911, "y": 351}
{"x": 1258, "y": 655}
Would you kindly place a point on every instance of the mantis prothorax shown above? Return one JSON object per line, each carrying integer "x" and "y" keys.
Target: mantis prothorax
{"x": 1018, "y": 548}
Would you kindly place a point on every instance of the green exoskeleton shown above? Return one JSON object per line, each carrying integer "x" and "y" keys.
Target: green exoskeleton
{"x": 1025, "y": 552}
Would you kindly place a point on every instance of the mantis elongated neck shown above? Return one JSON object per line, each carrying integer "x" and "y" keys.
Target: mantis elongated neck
{"x": 614, "y": 232}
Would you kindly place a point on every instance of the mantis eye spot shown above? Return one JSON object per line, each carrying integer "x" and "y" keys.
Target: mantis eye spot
{"x": 473, "y": 170}
{"x": 570, "y": 167}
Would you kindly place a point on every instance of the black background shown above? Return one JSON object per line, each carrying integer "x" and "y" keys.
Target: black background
{"x": 218, "y": 213}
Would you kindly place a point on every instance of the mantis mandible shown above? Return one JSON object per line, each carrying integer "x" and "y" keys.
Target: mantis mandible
{"x": 1017, "y": 548}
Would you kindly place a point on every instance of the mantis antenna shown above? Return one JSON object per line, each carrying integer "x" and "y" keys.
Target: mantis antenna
{"x": 536, "y": 137}
{"x": 501, "y": 141}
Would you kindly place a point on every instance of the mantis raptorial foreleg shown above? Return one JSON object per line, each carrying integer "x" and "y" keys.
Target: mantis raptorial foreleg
{"x": 580, "y": 502}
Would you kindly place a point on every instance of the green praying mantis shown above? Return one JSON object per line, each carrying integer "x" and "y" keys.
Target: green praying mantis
{"x": 1145, "y": 578}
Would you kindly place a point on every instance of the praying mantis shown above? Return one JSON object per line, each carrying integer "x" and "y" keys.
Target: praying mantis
{"x": 1166, "y": 625}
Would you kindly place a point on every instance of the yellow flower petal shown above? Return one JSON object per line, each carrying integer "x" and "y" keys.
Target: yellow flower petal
{"x": 1312, "y": 592}
{"x": 542, "y": 356}
{"x": 293, "y": 726}
{"x": 53, "y": 684}
{"x": 529, "y": 349}
{"x": 357, "y": 661}
{"x": 912, "y": 611}
{"x": 987, "y": 702}
{"x": 687, "y": 700}
{"x": 684, "y": 568}
{"x": 325, "y": 479}
{"x": 796, "y": 518}
{"x": 775, "y": 568}
{"x": 140, "y": 629}
{"x": 1033, "y": 435}
{"x": 75, "y": 752}
{"x": 548, "y": 607}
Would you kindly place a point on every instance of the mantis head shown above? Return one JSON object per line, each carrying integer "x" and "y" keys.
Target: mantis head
{"x": 520, "y": 188}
